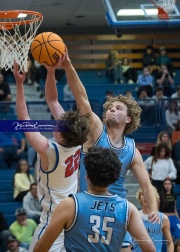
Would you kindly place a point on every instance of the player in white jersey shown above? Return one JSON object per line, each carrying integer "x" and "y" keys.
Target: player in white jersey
{"x": 159, "y": 232}
{"x": 58, "y": 159}
{"x": 121, "y": 117}
{"x": 96, "y": 220}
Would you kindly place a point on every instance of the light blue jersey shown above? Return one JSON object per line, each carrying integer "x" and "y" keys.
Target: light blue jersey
{"x": 126, "y": 156}
{"x": 99, "y": 223}
{"x": 154, "y": 231}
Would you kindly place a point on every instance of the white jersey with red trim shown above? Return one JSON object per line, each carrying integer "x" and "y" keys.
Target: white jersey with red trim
{"x": 55, "y": 184}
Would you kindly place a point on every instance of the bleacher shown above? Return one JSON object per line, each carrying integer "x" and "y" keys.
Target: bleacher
{"x": 90, "y": 51}
{"x": 7, "y": 203}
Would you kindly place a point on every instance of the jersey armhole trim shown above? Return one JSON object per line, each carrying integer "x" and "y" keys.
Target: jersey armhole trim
{"x": 75, "y": 215}
{"x": 57, "y": 161}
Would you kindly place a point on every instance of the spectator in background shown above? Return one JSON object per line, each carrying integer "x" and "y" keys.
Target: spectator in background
{"x": 129, "y": 72}
{"x": 128, "y": 93}
{"x": 161, "y": 103}
{"x": 29, "y": 71}
{"x": 163, "y": 137}
{"x": 39, "y": 77}
{"x": 150, "y": 60}
{"x": 109, "y": 93}
{"x": 12, "y": 146}
{"x": 144, "y": 99}
{"x": 159, "y": 229}
{"x": 163, "y": 59}
{"x": 145, "y": 80}
{"x": 176, "y": 134}
{"x": 175, "y": 138}
{"x": 177, "y": 95}
{"x": 13, "y": 245}
{"x": 168, "y": 207}
{"x": 177, "y": 245}
{"x": 148, "y": 114}
{"x": 113, "y": 67}
{"x": 31, "y": 203}
{"x": 159, "y": 94}
{"x": 160, "y": 166}
{"x": 5, "y": 94}
{"x": 165, "y": 79}
{"x": 23, "y": 228}
{"x": 68, "y": 96}
{"x": 4, "y": 233}
{"x": 22, "y": 180}
{"x": 172, "y": 116}
{"x": 31, "y": 156}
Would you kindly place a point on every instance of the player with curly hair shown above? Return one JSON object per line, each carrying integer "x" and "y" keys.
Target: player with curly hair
{"x": 121, "y": 117}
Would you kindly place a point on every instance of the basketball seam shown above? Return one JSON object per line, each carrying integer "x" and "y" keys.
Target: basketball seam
{"x": 40, "y": 44}
{"x": 36, "y": 46}
{"x": 47, "y": 51}
{"x": 56, "y": 49}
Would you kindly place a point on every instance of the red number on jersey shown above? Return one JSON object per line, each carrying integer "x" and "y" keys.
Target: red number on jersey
{"x": 72, "y": 163}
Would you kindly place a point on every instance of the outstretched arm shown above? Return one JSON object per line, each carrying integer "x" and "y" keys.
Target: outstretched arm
{"x": 138, "y": 231}
{"x": 142, "y": 177}
{"x": 79, "y": 93}
{"x": 76, "y": 85}
{"x": 36, "y": 140}
{"x": 51, "y": 92}
{"x": 60, "y": 219}
{"x": 167, "y": 234}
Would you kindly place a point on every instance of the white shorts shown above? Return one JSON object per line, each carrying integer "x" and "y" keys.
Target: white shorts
{"x": 58, "y": 245}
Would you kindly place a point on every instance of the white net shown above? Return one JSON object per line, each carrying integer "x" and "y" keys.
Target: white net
{"x": 167, "y": 5}
{"x": 15, "y": 40}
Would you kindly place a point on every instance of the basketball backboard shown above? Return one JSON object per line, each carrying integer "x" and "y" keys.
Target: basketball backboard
{"x": 122, "y": 14}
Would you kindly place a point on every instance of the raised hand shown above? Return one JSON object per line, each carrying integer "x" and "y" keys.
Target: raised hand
{"x": 20, "y": 78}
{"x": 154, "y": 217}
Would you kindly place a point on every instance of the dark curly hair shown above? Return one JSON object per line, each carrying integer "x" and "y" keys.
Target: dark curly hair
{"x": 74, "y": 127}
{"x": 134, "y": 111}
{"x": 102, "y": 165}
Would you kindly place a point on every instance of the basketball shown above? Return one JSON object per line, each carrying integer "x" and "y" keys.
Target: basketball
{"x": 47, "y": 47}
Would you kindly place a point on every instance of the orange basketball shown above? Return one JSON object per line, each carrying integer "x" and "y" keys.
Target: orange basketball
{"x": 47, "y": 47}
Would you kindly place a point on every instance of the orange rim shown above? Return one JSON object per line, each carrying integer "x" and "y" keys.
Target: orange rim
{"x": 162, "y": 15}
{"x": 156, "y": 5}
{"x": 14, "y": 14}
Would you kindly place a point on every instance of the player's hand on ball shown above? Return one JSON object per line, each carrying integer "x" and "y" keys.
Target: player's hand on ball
{"x": 65, "y": 60}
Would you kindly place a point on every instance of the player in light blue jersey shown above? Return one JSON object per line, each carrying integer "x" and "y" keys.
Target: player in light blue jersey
{"x": 96, "y": 220}
{"x": 121, "y": 117}
{"x": 159, "y": 232}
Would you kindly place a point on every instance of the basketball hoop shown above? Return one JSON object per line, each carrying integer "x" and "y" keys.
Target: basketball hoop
{"x": 164, "y": 7}
{"x": 17, "y": 30}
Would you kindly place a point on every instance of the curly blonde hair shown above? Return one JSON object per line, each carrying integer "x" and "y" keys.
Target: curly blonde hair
{"x": 133, "y": 110}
